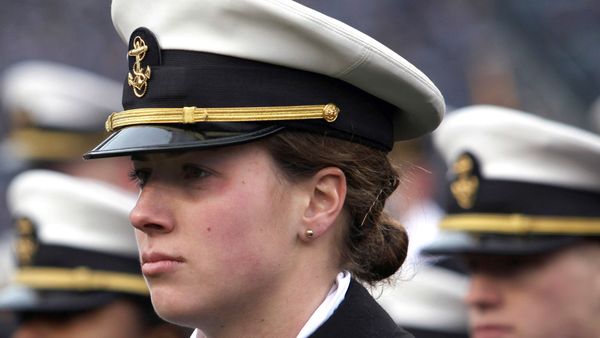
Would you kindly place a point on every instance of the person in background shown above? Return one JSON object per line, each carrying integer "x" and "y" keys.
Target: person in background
{"x": 56, "y": 113}
{"x": 524, "y": 216}
{"x": 53, "y": 114}
{"x": 78, "y": 271}
{"x": 258, "y": 131}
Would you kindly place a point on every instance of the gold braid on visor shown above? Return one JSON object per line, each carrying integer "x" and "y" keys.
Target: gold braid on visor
{"x": 522, "y": 224}
{"x": 328, "y": 112}
{"x": 80, "y": 279}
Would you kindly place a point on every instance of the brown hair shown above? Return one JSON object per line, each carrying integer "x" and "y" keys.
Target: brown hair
{"x": 374, "y": 245}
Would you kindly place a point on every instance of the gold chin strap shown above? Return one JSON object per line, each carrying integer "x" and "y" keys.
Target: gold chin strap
{"x": 519, "y": 224}
{"x": 80, "y": 279}
{"x": 328, "y": 112}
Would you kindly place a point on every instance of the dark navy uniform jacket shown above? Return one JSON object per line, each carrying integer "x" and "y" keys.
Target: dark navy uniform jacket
{"x": 359, "y": 316}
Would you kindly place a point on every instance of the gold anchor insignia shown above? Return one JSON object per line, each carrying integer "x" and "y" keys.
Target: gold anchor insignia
{"x": 26, "y": 245}
{"x": 140, "y": 77}
{"x": 464, "y": 188}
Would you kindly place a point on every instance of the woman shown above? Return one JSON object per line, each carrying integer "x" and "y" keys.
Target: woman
{"x": 260, "y": 212}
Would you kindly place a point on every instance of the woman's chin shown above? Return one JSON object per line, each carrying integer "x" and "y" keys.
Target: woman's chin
{"x": 173, "y": 313}
{"x": 169, "y": 304}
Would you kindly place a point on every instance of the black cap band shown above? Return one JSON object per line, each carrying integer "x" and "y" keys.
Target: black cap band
{"x": 513, "y": 197}
{"x": 214, "y": 81}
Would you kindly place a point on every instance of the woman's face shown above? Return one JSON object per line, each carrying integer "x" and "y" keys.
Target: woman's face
{"x": 217, "y": 231}
{"x": 544, "y": 296}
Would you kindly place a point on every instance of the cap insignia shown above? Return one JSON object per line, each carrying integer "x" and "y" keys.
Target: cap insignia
{"x": 26, "y": 245}
{"x": 140, "y": 77}
{"x": 464, "y": 188}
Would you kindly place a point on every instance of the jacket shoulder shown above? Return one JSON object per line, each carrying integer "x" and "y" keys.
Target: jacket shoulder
{"x": 359, "y": 316}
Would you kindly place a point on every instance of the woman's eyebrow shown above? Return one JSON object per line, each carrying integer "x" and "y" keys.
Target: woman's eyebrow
{"x": 139, "y": 157}
{"x": 144, "y": 157}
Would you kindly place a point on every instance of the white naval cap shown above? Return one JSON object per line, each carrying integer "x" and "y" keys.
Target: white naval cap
{"x": 381, "y": 97}
{"x": 55, "y": 111}
{"x": 74, "y": 242}
{"x": 519, "y": 182}
{"x": 74, "y": 212}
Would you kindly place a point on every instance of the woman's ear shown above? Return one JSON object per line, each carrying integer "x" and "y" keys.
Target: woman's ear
{"x": 327, "y": 196}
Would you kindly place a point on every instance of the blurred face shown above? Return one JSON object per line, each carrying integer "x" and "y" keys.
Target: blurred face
{"x": 545, "y": 296}
{"x": 116, "y": 320}
{"x": 216, "y": 230}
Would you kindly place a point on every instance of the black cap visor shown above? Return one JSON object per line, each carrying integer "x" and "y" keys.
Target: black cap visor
{"x": 159, "y": 138}
{"x": 458, "y": 243}
{"x": 51, "y": 301}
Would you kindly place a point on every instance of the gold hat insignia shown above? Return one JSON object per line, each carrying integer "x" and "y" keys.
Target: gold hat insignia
{"x": 140, "y": 77}
{"x": 26, "y": 245}
{"x": 464, "y": 188}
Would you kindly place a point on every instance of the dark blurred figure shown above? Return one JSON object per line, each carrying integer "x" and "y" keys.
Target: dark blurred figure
{"x": 78, "y": 273}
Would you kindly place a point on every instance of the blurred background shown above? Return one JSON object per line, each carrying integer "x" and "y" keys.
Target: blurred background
{"x": 538, "y": 56}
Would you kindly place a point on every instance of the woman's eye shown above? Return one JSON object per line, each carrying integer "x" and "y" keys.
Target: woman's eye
{"x": 192, "y": 172}
{"x": 139, "y": 176}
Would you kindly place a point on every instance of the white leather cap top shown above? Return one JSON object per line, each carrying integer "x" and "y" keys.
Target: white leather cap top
{"x": 285, "y": 33}
{"x": 74, "y": 212}
{"x": 517, "y": 146}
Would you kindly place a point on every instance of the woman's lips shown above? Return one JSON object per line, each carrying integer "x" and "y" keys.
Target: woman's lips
{"x": 154, "y": 264}
{"x": 490, "y": 331}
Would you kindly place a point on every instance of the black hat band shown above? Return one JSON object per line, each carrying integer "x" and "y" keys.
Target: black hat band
{"x": 217, "y": 81}
{"x": 512, "y": 207}
{"x": 55, "y": 267}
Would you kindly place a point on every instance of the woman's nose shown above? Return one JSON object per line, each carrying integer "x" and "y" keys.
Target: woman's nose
{"x": 484, "y": 292}
{"x": 151, "y": 213}
{"x": 30, "y": 330}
